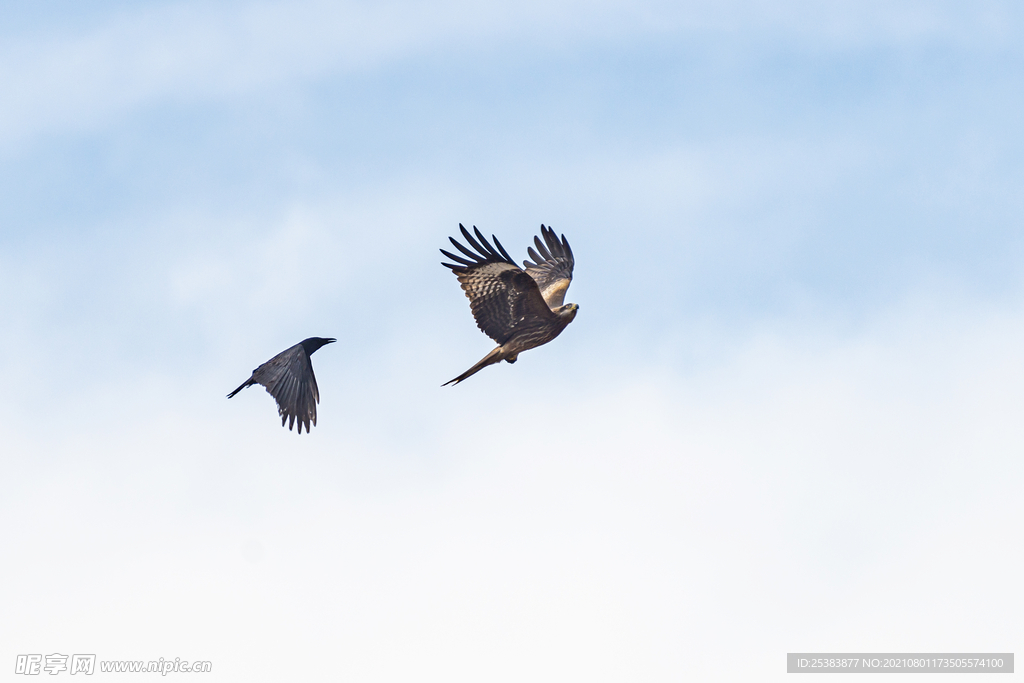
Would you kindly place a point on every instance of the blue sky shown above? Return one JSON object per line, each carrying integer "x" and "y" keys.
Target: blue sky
{"x": 794, "y": 377}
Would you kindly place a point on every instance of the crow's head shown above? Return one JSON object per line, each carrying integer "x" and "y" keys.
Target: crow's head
{"x": 313, "y": 343}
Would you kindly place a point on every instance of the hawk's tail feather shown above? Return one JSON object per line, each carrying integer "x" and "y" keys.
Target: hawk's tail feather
{"x": 495, "y": 356}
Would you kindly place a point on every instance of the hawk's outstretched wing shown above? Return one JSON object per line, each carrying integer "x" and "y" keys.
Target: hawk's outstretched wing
{"x": 289, "y": 378}
{"x": 552, "y": 269}
{"x": 504, "y": 298}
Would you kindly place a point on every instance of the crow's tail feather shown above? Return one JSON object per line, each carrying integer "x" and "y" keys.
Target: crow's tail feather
{"x": 247, "y": 383}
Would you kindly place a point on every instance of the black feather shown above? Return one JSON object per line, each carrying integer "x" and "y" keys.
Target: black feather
{"x": 459, "y": 259}
{"x": 464, "y": 250}
{"x": 472, "y": 242}
{"x": 540, "y": 246}
{"x": 502, "y": 249}
{"x": 488, "y": 249}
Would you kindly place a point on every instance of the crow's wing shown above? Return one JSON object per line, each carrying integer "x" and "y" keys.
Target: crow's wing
{"x": 289, "y": 378}
{"x": 552, "y": 267}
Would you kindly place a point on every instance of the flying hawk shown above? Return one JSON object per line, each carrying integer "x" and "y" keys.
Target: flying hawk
{"x": 519, "y": 309}
{"x": 289, "y": 378}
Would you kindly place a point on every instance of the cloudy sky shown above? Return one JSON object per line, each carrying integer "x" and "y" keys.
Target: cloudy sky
{"x": 786, "y": 419}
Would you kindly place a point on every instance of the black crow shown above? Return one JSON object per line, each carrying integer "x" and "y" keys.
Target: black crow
{"x": 289, "y": 378}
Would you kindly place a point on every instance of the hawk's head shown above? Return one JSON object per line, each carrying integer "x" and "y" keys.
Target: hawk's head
{"x": 568, "y": 312}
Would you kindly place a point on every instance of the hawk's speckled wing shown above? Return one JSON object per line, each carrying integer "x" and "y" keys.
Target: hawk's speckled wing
{"x": 504, "y": 298}
{"x": 552, "y": 269}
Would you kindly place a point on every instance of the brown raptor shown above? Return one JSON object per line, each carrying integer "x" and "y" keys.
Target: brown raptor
{"x": 519, "y": 309}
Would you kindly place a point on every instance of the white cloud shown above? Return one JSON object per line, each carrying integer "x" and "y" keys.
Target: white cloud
{"x": 75, "y": 82}
{"x": 804, "y": 491}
